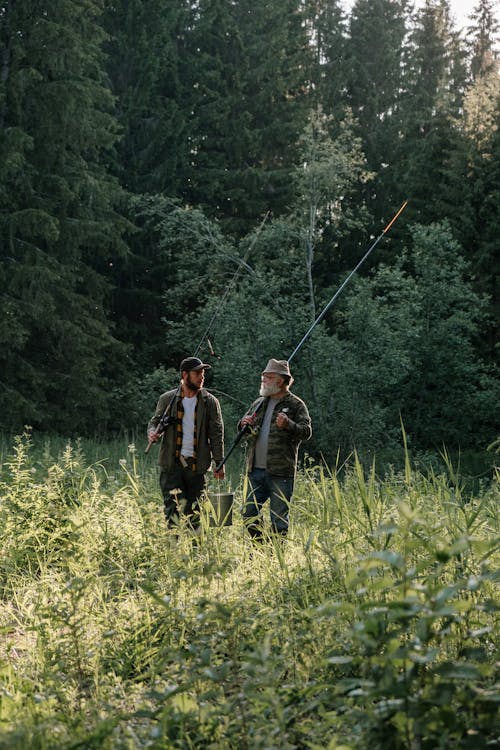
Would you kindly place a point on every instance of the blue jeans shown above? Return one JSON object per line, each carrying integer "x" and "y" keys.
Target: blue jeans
{"x": 263, "y": 486}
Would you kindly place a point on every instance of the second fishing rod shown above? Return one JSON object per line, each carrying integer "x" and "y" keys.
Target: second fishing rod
{"x": 167, "y": 418}
{"x": 244, "y": 430}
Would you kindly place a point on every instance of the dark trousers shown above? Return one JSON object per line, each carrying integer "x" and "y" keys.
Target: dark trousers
{"x": 181, "y": 490}
{"x": 261, "y": 486}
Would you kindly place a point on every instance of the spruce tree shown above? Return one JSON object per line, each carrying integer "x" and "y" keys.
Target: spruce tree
{"x": 435, "y": 79}
{"x": 146, "y": 64}
{"x": 481, "y": 124}
{"x": 59, "y": 229}
{"x": 327, "y": 32}
{"x": 375, "y": 55}
{"x": 482, "y": 36}
{"x": 249, "y": 78}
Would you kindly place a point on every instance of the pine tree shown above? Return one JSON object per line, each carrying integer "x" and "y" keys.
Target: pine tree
{"x": 377, "y": 33}
{"x": 146, "y": 64}
{"x": 58, "y": 222}
{"x": 327, "y": 32}
{"x": 482, "y": 36}
{"x": 481, "y": 125}
{"x": 249, "y": 79}
{"x": 435, "y": 80}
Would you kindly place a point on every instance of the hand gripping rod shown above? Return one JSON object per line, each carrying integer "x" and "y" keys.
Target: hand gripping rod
{"x": 318, "y": 319}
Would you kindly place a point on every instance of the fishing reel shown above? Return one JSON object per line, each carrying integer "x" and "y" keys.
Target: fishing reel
{"x": 166, "y": 422}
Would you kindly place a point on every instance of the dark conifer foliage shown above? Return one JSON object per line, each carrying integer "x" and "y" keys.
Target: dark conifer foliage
{"x": 249, "y": 78}
{"x": 428, "y": 112}
{"x": 58, "y": 220}
{"x": 143, "y": 141}
{"x": 470, "y": 184}
{"x": 147, "y": 61}
{"x": 482, "y": 35}
{"x": 329, "y": 72}
{"x": 375, "y": 61}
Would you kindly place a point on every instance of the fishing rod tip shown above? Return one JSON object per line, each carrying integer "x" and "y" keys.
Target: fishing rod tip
{"x": 395, "y": 217}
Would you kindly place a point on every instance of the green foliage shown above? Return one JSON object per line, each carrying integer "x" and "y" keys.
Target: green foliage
{"x": 405, "y": 344}
{"x": 482, "y": 35}
{"x": 404, "y": 341}
{"x": 146, "y": 60}
{"x": 372, "y": 625}
{"x": 167, "y": 279}
{"x": 375, "y": 68}
{"x": 331, "y": 169}
{"x": 213, "y": 115}
{"x": 430, "y": 110}
{"x": 326, "y": 23}
{"x": 249, "y": 103}
{"x": 59, "y": 218}
{"x": 451, "y": 375}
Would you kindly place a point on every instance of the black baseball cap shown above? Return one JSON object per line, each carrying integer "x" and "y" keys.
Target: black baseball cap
{"x": 193, "y": 363}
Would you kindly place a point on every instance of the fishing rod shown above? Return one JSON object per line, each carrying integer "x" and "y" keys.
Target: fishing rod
{"x": 166, "y": 418}
{"x": 344, "y": 283}
{"x": 320, "y": 317}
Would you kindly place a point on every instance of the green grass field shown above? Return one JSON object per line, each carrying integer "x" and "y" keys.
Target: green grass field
{"x": 374, "y": 626}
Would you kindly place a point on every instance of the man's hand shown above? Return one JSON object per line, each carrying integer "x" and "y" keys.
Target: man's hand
{"x": 247, "y": 420}
{"x": 153, "y": 436}
{"x": 219, "y": 474}
{"x": 282, "y": 421}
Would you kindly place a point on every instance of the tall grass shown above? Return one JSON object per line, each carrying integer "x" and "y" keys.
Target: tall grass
{"x": 372, "y": 626}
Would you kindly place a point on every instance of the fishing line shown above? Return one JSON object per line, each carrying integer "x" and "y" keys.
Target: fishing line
{"x": 165, "y": 417}
{"x": 313, "y": 326}
{"x": 344, "y": 283}
{"x": 230, "y": 286}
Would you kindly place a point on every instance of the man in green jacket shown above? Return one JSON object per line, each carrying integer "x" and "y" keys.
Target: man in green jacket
{"x": 193, "y": 438}
{"x": 278, "y": 422}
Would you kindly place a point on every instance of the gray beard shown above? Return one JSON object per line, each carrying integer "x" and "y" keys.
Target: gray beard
{"x": 269, "y": 390}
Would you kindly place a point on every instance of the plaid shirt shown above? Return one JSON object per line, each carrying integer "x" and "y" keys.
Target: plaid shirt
{"x": 209, "y": 431}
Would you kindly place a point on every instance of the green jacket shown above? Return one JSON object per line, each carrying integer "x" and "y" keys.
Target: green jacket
{"x": 283, "y": 445}
{"x": 209, "y": 431}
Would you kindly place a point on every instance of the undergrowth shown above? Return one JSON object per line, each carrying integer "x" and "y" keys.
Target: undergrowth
{"x": 373, "y": 626}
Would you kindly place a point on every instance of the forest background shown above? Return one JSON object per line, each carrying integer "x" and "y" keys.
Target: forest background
{"x": 148, "y": 147}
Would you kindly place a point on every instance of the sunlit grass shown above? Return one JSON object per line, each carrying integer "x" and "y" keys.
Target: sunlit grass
{"x": 117, "y": 633}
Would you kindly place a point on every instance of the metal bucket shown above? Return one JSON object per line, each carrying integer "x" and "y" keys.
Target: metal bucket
{"x": 221, "y": 512}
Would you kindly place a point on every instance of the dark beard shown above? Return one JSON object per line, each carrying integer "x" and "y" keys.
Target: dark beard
{"x": 192, "y": 386}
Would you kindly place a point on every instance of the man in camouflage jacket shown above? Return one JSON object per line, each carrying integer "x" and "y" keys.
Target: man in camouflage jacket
{"x": 190, "y": 444}
{"x": 278, "y": 422}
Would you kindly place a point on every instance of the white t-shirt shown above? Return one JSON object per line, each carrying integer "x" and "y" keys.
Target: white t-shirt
{"x": 189, "y": 404}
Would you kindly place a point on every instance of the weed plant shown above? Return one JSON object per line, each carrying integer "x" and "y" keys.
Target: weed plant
{"x": 374, "y": 625}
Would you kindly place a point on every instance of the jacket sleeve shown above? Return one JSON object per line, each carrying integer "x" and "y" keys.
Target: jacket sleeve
{"x": 300, "y": 425}
{"x": 155, "y": 419}
{"x": 162, "y": 404}
{"x": 216, "y": 430}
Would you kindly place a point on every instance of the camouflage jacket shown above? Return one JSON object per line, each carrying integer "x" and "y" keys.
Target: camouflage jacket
{"x": 209, "y": 431}
{"x": 283, "y": 445}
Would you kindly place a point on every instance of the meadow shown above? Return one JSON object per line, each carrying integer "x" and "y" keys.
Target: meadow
{"x": 375, "y": 625}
